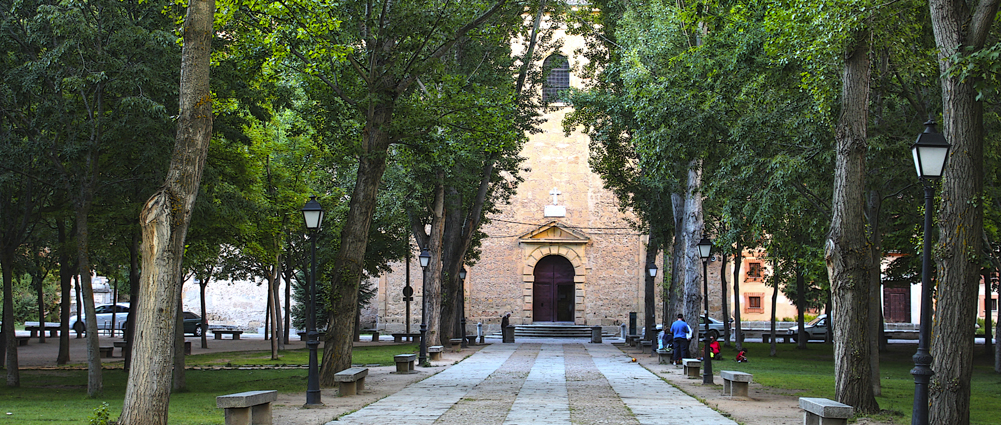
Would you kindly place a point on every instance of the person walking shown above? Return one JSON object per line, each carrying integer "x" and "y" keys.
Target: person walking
{"x": 680, "y": 331}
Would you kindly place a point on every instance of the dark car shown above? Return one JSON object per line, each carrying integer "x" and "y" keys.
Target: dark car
{"x": 192, "y": 324}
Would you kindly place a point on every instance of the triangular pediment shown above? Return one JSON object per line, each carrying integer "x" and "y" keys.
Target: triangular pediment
{"x": 555, "y": 232}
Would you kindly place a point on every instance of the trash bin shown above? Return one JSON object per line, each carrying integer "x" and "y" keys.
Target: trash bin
{"x": 596, "y": 334}
{"x": 508, "y": 335}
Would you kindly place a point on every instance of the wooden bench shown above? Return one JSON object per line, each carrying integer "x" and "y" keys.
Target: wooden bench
{"x": 767, "y": 337}
{"x": 735, "y": 383}
{"x": 218, "y": 333}
{"x": 247, "y": 408}
{"x": 405, "y": 362}
{"x": 107, "y": 352}
{"x": 664, "y": 356}
{"x": 434, "y": 352}
{"x": 398, "y": 338}
{"x": 821, "y": 411}
{"x": 692, "y": 367}
{"x": 351, "y": 381}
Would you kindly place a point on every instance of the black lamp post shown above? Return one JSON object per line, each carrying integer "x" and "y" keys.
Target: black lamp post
{"x": 705, "y": 248}
{"x": 462, "y": 306}
{"x": 930, "y": 151}
{"x": 425, "y": 259}
{"x": 651, "y": 315}
{"x": 312, "y": 213}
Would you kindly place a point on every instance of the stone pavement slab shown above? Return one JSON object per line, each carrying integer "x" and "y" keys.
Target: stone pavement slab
{"x": 547, "y": 381}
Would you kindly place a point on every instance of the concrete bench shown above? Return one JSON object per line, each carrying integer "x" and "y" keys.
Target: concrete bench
{"x": 470, "y": 339}
{"x": 821, "y": 411}
{"x": 247, "y": 408}
{"x": 107, "y": 351}
{"x": 351, "y": 381}
{"x": 23, "y": 340}
{"x": 374, "y": 332}
{"x": 218, "y": 333}
{"x": 664, "y": 356}
{"x": 456, "y": 344}
{"x": 398, "y": 338}
{"x": 434, "y": 352}
{"x": 34, "y": 328}
{"x": 632, "y": 340}
{"x": 405, "y": 362}
{"x": 692, "y": 367}
{"x": 735, "y": 383}
{"x": 767, "y": 337}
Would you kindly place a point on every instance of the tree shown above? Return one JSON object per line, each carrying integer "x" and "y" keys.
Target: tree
{"x": 165, "y": 220}
{"x": 961, "y": 29}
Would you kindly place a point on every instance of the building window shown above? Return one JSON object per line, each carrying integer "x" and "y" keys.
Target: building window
{"x": 994, "y": 304}
{"x": 557, "y": 83}
{"x": 754, "y": 271}
{"x": 752, "y": 303}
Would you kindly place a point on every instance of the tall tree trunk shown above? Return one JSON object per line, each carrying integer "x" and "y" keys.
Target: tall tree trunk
{"x": 694, "y": 232}
{"x": 10, "y": 340}
{"x": 961, "y": 28}
{"x": 66, "y": 268}
{"x": 347, "y": 269}
{"x": 164, "y": 220}
{"x": 801, "y": 337}
{"x": 679, "y": 259}
{"x": 846, "y": 251}
{"x": 37, "y": 279}
{"x": 725, "y": 310}
{"x": 95, "y": 382}
{"x": 988, "y": 347}
{"x": 287, "y": 274}
{"x": 649, "y": 302}
{"x": 738, "y": 262}
{"x": 875, "y": 319}
{"x": 775, "y": 299}
{"x": 201, "y": 300}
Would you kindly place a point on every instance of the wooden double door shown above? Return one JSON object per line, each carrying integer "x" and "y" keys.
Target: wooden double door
{"x": 553, "y": 291}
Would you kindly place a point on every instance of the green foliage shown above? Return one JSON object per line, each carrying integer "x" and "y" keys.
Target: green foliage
{"x": 25, "y": 299}
{"x": 101, "y": 415}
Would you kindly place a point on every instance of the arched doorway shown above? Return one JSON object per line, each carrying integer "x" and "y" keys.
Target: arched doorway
{"x": 553, "y": 290}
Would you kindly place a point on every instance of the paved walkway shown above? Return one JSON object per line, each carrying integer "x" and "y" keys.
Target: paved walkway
{"x": 540, "y": 382}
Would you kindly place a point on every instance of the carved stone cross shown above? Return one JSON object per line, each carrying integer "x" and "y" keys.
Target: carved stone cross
{"x": 555, "y": 193}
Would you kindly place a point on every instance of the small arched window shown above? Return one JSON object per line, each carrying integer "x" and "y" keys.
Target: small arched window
{"x": 557, "y": 79}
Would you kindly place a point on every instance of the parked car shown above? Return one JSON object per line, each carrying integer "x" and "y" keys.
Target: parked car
{"x": 815, "y": 329}
{"x": 192, "y": 324}
{"x": 103, "y": 315}
{"x": 715, "y": 327}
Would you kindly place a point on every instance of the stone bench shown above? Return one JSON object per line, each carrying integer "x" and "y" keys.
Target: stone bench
{"x": 107, "y": 352}
{"x": 692, "y": 367}
{"x": 470, "y": 339}
{"x": 23, "y": 340}
{"x": 218, "y": 333}
{"x": 821, "y": 411}
{"x": 351, "y": 381}
{"x": 434, "y": 352}
{"x": 374, "y": 332}
{"x": 735, "y": 383}
{"x": 34, "y": 328}
{"x": 405, "y": 362}
{"x": 246, "y": 408}
{"x": 456, "y": 344}
{"x": 767, "y": 337}
{"x": 398, "y": 338}
{"x": 664, "y": 357}
{"x": 632, "y": 340}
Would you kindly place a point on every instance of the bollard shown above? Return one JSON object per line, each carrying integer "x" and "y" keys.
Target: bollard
{"x": 623, "y": 331}
{"x": 596, "y": 334}
{"x": 507, "y": 335}
{"x": 479, "y": 332}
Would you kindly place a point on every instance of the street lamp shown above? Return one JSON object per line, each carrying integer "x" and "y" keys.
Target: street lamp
{"x": 462, "y": 306}
{"x": 651, "y": 316}
{"x": 312, "y": 214}
{"x": 705, "y": 248}
{"x": 425, "y": 259}
{"x": 930, "y": 151}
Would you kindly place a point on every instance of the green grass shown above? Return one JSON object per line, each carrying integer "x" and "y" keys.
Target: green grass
{"x": 810, "y": 373}
{"x": 60, "y": 396}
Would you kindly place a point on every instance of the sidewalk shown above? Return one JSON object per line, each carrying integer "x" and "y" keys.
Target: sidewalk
{"x": 540, "y": 381}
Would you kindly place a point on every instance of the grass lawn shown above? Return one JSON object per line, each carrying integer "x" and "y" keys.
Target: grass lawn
{"x": 60, "y": 396}
{"x": 810, "y": 373}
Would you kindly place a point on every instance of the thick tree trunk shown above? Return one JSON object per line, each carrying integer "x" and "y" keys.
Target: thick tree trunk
{"x": 164, "y": 220}
{"x": 694, "y": 231}
{"x": 960, "y": 29}
{"x": 846, "y": 251}
{"x": 347, "y": 269}
{"x": 679, "y": 258}
{"x": 433, "y": 273}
